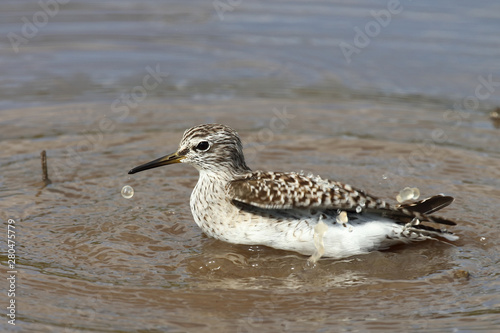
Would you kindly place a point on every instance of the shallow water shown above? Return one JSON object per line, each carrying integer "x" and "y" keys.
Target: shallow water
{"x": 90, "y": 260}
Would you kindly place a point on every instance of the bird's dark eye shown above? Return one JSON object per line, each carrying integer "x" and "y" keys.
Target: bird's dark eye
{"x": 202, "y": 146}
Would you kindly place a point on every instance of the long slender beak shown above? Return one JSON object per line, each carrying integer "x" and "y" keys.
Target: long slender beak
{"x": 165, "y": 160}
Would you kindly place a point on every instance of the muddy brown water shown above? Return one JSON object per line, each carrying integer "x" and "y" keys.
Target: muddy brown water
{"x": 89, "y": 260}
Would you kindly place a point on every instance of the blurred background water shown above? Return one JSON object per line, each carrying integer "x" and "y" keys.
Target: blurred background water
{"x": 379, "y": 94}
{"x": 94, "y": 50}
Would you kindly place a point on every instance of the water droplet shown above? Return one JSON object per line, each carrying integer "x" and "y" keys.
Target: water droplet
{"x": 416, "y": 193}
{"x": 342, "y": 218}
{"x": 408, "y": 194}
{"x": 127, "y": 192}
{"x": 359, "y": 209}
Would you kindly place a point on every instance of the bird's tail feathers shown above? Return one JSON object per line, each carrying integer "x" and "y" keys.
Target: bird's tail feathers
{"x": 421, "y": 210}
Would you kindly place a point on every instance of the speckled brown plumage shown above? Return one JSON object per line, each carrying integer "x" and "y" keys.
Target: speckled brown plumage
{"x": 281, "y": 190}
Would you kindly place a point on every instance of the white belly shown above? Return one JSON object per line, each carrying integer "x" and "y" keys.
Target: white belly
{"x": 296, "y": 232}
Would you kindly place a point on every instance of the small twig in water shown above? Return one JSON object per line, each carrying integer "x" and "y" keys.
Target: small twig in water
{"x": 45, "y": 176}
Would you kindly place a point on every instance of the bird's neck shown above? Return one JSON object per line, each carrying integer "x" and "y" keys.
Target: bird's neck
{"x": 223, "y": 173}
{"x": 212, "y": 184}
{"x": 210, "y": 194}
{"x": 208, "y": 200}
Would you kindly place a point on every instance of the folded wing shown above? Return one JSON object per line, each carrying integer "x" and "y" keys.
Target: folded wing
{"x": 278, "y": 190}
